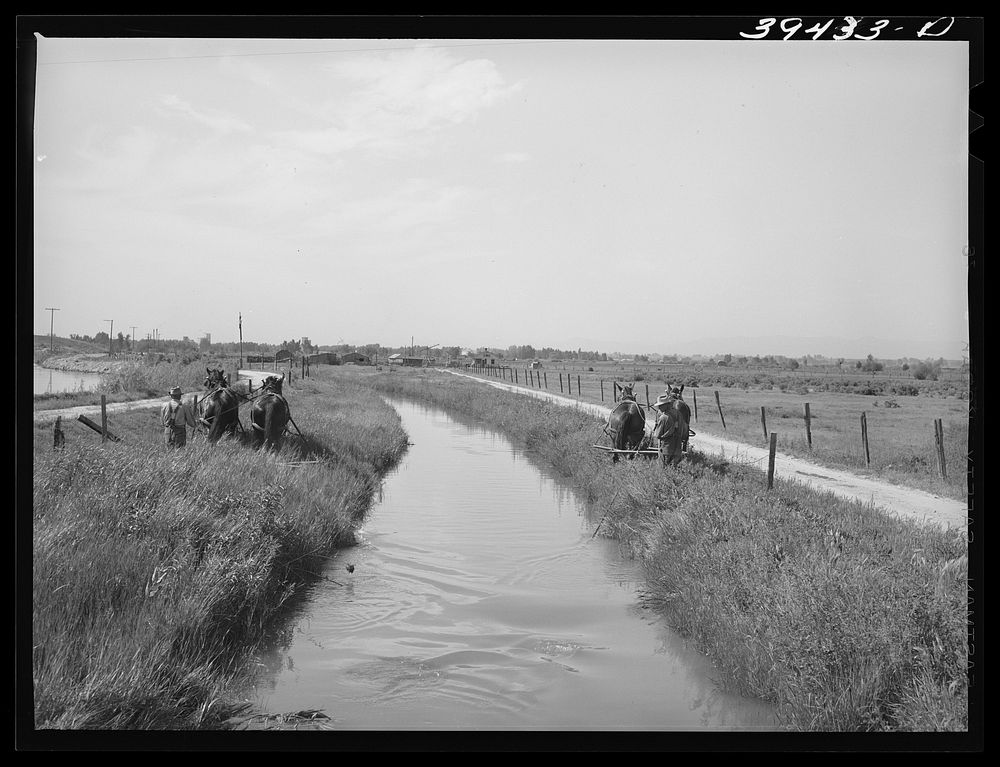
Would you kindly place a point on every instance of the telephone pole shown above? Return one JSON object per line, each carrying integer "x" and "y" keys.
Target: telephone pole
{"x": 52, "y": 317}
{"x": 110, "y": 348}
{"x": 132, "y": 337}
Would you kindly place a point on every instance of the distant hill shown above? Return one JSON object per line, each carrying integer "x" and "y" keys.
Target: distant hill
{"x": 68, "y": 345}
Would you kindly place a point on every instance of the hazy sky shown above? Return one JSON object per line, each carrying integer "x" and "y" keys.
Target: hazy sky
{"x": 639, "y": 196}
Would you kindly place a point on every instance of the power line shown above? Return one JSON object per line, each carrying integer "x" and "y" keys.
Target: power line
{"x": 295, "y": 53}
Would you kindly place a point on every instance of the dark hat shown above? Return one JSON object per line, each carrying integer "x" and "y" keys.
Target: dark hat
{"x": 176, "y": 390}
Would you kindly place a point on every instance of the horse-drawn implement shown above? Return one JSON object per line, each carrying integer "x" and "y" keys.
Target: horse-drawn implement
{"x": 631, "y": 437}
{"x": 218, "y": 410}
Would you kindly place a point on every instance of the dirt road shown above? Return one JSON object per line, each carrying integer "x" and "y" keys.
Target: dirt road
{"x": 905, "y": 502}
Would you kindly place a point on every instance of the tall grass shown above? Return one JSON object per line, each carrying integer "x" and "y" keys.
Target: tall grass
{"x": 156, "y": 573}
{"x": 844, "y": 618}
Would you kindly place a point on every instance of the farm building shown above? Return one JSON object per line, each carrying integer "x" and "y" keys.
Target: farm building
{"x": 483, "y": 361}
{"x": 282, "y": 355}
{"x": 396, "y": 359}
{"x": 536, "y": 365}
{"x": 323, "y": 358}
{"x": 414, "y": 362}
{"x": 356, "y": 358}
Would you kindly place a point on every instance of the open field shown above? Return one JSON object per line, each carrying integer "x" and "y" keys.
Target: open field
{"x": 155, "y": 574}
{"x": 844, "y": 618}
{"x": 901, "y": 445}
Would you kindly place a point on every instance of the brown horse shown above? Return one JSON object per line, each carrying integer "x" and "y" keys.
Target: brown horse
{"x": 269, "y": 415}
{"x": 219, "y": 409}
{"x": 627, "y": 422}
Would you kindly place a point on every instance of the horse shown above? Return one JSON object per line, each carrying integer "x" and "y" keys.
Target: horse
{"x": 679, "y": 425}
{"x": 220, "y": 407}
{"x": 269, "y": 415}
{"x": 627, "y": 422}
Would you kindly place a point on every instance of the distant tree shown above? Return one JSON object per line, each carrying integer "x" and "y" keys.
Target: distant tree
{"x": 871, "y": 365}
{"x": 926, "y": 370}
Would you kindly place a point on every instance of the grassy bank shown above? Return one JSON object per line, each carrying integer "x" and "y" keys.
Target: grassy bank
{"x": 844, "y": 618}
{"x": 156, "y": 573}
{"x": 900, "y": 427}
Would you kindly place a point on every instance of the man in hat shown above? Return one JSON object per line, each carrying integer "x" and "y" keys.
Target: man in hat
{"x": 175, "y": 417}
{"x": 671, "y": 429}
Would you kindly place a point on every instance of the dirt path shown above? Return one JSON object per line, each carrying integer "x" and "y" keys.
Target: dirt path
{"x": 903, "y": 501}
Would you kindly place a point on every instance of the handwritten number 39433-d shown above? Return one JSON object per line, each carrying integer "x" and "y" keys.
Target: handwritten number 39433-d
{"x": 792, "y": 25}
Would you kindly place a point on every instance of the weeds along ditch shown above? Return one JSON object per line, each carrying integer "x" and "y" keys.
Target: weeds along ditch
{"x": 156, "y": 573}
{"x": 844, "y": 618}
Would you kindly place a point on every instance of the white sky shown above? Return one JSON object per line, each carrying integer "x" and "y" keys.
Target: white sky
{"x": 761, "y": 197}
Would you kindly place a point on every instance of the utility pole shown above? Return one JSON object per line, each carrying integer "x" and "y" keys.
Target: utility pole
{"x": 132, "y": 338}
{"x": 241, "y": 339}
{"x": 110, "y": 348}
{"x": 52, "y": 317}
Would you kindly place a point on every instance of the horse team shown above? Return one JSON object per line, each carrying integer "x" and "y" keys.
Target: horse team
{"x": 626, "y": 424}
{"x": 218, "y": 410}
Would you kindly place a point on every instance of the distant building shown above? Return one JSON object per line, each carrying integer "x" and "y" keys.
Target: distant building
{"x": 323, "y": 358}
{"x": 282, "y": 355}
{"x": 414, "y": 362}
{"x": 355, "y": 358}
{"x": 395, "y": 359}
{"x": 536, "y": 365}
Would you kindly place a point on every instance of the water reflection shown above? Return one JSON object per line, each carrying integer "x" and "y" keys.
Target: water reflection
{"x": 48, "y": 381}
{"x": 479, "y": 600}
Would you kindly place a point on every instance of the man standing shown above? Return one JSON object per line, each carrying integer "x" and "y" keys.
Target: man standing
{"x": 175, "y": 417}
{"x": 670, "y": 429}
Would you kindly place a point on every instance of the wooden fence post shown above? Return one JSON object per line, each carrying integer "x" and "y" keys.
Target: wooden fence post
{"x": 770, "y": 460}
{"x": 614, "y": 390}
{"x": 864, "y": 438}
{"x": 560, "y": 383}
{"x": 569, "y": 384}
{"x": 719, "y": 405}
{"x": 694, "y": 394}
{"x": 939, "y": 444}
{"x": 104, "y": 418}
{"x": 578, "y": 386}
{"x": 602, "y": 390}
{"x": 58, "y": 438}
{"x": 763, "y": 421}
{"x": 546, "y": 377}
{"x": 647, "y": 395}
{"x": 809, "y": 433}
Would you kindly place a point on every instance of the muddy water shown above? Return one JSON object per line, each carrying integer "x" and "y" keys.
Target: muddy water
{"x": 478, "y": 600}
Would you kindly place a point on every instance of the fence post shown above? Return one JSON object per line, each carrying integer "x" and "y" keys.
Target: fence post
{"x": 104, "y": 418}
{"x": 560, "y": 384}
{"x": 546, "y": 377}
{"x": 864, "y": 438}
{"x": 578, "y": 386}
{"x": 694, "y": 393}
{"x": 770, "y": 459}
{"x": 809, "y": 434}
{"x": 58, "y": 438}
{"x": 763, "y": 421}
{"x": 719, "y": 405}
{"x": 647, "y": 395}
{"x": 614, "y": 390}
{"x": 602, "y": 390}
{"x": 939, "y": 443}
